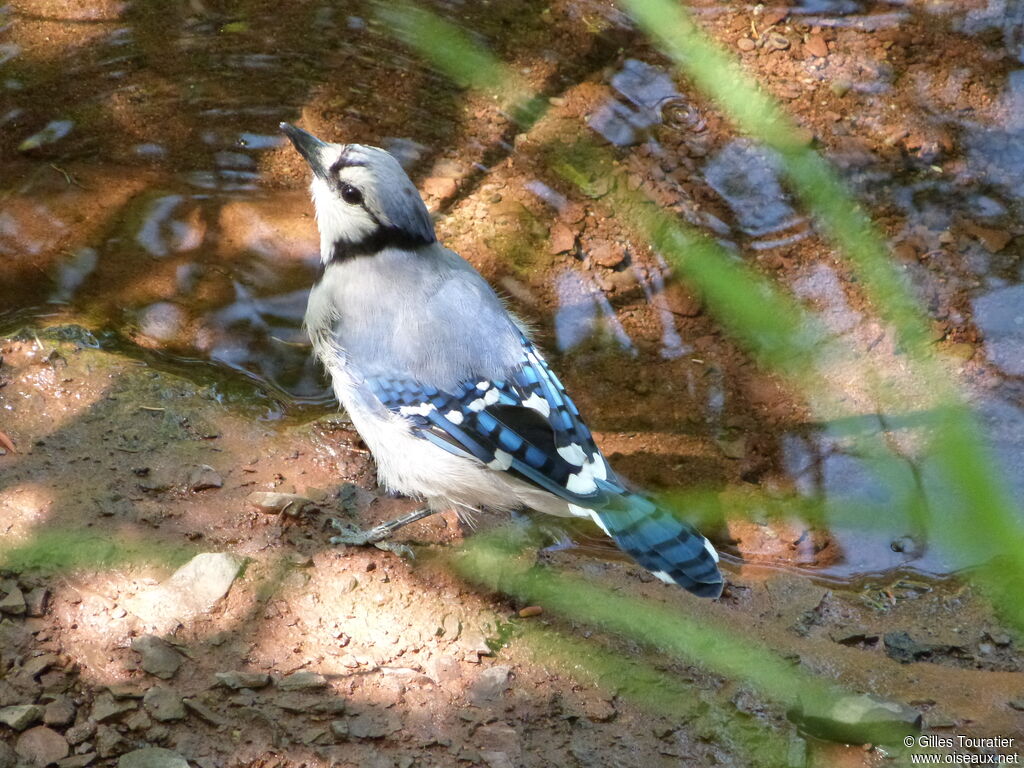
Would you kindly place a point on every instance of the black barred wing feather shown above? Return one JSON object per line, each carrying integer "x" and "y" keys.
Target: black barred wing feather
{"x": 526, "y": 425}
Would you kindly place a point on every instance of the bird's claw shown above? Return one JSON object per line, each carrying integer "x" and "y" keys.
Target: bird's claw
{"x": 350, "y": 535}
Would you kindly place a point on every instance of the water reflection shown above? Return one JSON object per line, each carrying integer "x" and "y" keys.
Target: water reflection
{"x": 584, "y": 310}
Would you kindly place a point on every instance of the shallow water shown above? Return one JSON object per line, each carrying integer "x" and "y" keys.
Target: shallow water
{"x": 147, "y": 196}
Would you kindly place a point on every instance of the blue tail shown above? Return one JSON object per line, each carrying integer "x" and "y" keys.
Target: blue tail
{"x": 666, "y": 546}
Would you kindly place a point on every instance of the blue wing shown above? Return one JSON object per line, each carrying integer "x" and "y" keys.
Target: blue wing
{"x": 528, "y": 426}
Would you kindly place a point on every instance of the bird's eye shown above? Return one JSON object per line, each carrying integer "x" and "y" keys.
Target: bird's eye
{"x": 351, "y": 195}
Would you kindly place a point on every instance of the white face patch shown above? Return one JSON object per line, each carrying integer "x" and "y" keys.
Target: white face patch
{"x": 337, "y": 220}
{"x": 540, "y": 405}
{"x": 455, "y": 417}
{"x": 501, "y": 461}
{"x": 417, "y": 410}
{"x": 573, "y": 454}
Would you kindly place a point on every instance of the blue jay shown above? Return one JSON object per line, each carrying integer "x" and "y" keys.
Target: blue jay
{"x": 455, "y": 403}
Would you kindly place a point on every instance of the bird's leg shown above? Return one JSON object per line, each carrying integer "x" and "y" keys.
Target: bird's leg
{"x": 349, "y": 534}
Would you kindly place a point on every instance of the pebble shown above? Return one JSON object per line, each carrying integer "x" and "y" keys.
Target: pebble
{"x": 77, "y": 761}
{"x": 607, "y": 255}
{"x": 203, "y": 711}
{"x": 816, "y": 46}
{"x": 106, "y": 707}
{"x": 530, "y": 610}
{"x": 278, "y": 503}
{"x": 374, "y": 724}
{"x": 492, "y": 682}
{"x": 41, "y": 746}
{"x": 860, "y": 719}
{"x": 440, "y": 186}
{"x": 238, "y": 680}
{"x": 152, "y": 757}
{"x": 204, "y": 477}
{"x": 745, "y": 44}
{"x": 994, "y": 240}
{"x": 13, "y": 603}
{"x": 60, "y": 711}
{"x": 158, "y": 657}
{"x": 36, "y": 601}
{"x": 164, "y": 704}
{"x": 904, "y": 649}
{"x": 76, "y": 734}
{"x": 302, "y": 681}
{"x": 772, "y": 16}
{"x": 21, "y": 716}
{"x": 1017, "y": 704}
{"x": 775, "y": 41}
{"x": 563, "y": 239}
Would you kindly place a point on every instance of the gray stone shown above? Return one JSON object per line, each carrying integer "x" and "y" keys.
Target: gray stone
{"x": 238, "y": 680}
{"x": 106, "y": 707}
{"x": 60, "y": 711}
{"x": 290, "y": 504}
{"x": 76, "y": 734}
{"x": 373, "y": 724}
{"x": 863, "y": 719}
{"x": 204, "y": 477}
{"x": 41, "y": 746}
{"x": 152, "y": 757}
{"x": 8, "y": 757}
{"x": 13, "y": 602}
{"x": 302, "y": 681}
{"x": 77, "y": 761}
{"x": 164, "y": 704}
{"x": 36, "y": 665}
{"x": 109, "y": 742}
{"x": 36, "y": 601}
{"x": 203, "y": 711}
{"x": 21, "y": 716}
{"x": 492, "y": 682}
{"x": 158, "y": 657}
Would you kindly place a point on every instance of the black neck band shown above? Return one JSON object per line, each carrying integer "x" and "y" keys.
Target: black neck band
{"x": 383, "y": 237}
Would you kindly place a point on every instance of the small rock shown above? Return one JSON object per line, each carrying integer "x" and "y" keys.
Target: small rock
{"x": 77, "y": 761}
{"x": 901, "y": 647}
{"x": 530, "y": 611}
{"x": 59, "y": 712}
{"x": 13, "y": 603}
{"x": 76, "y": 734}
{"x": 732, "y": 448}
{"x": 339, "y": 728}
{"x": 440, "y": 186}
{"x": 374, "y": 724}
{"x": 106, "y": 707}
{"x": 35, "y": 666}
{"x": 563, "y": 238}
{"x": 152, "y": 757}
{"x": 816, "y": 46}
{"x": 290, "y": 504}
{"x": 994, "y": 240}
{"x": 125, "y": 691}
{"x": 238, "y": 680}
{"x": 772, "y": 16}
{"x": 41, "y": 746}
{"x": 1017, "y": 704}
{"x": 498, "y": 737}
{"x": 21, "y": 716}
{"x": 203, "y": 711}
{"x": 302, "y": 681}
{"x": 203, "y": 477}
{"x": 607, "y": 255}
{"x": 158, "y": 657}
{"x": 775, "y": 41}
{"x": 745, "y": 44}
{"x": 494, "y": 759}
{"x": 492, "y": 682}
{"x": 864, "y": 719}
{"x": 36, "y": 601}
{"x": 138, "y": 721}
{"x": 164, "y": 704}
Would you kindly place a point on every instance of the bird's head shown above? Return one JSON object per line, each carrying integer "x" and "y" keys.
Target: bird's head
{"x": 364, "y": 200}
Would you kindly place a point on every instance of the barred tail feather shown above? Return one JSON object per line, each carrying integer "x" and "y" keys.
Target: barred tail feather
{"x": 666, "y": 546}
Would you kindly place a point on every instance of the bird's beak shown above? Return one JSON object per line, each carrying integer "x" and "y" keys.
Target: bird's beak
{"x": 308, "y": 145}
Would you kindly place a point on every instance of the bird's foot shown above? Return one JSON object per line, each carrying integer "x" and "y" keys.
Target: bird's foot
{"x": 350, "y": 535}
